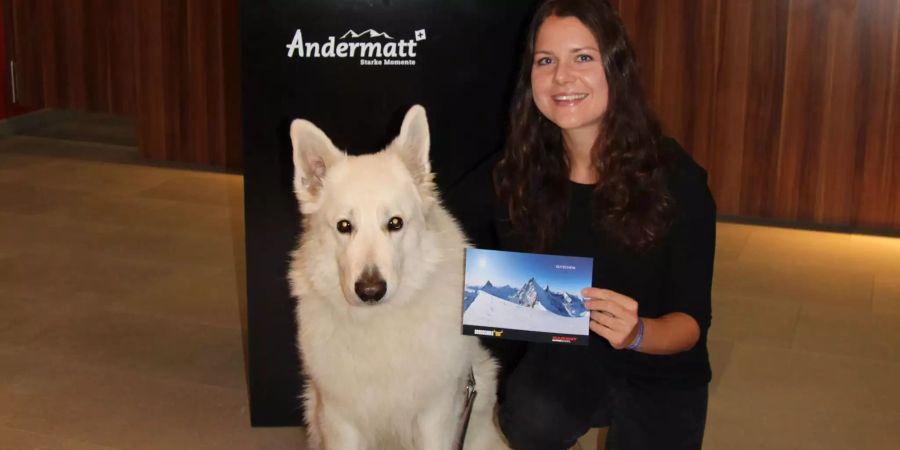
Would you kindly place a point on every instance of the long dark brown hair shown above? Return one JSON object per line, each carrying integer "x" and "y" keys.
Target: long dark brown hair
{"x": 631, "y": 202}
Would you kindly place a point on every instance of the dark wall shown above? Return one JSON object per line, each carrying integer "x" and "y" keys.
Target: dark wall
{"x": 462, "y": 75}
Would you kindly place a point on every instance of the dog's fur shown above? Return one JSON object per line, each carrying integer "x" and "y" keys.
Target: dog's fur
{"x": 391, "y": 373}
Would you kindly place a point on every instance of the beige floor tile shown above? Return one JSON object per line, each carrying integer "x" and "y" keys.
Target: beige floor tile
{"x": 139, "y": 213}
{"x": 125, "y": 410}
{"x": 20, "y": 198}
{"x": 731, "y": 238}
{"x": 881, "y": 254}
{"x": 17, "y": 162}
{"x": 62, "y": 278}
{"x": 202, "y": 188}
{"x": 199, "y": 295}
{"x": 98, "y": 240}
{"x": 848, "y": 331}
{"x": 18, "y": 439}
{"x": 97, "y": 177}
{"x": 736, "y": 427}
{"x": 785, "y": 281}
{"x": 760, "y": 321}
{"x": 886, "y": 295}
{"x": 822, "y": 249}
{"x": 719, "y": 360}
{"x": 765, "y": 379}
{"x": 27, "y": 232}
{"x": 161, "y": 348}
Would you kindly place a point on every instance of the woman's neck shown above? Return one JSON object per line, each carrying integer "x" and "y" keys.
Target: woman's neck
{"x": 578, "y": 144}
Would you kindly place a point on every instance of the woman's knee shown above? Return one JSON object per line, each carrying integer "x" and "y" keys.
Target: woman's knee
{"x": 536, "y": 422}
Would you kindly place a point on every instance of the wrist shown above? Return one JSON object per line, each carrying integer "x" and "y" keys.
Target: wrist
{"x": 639, "y": 337}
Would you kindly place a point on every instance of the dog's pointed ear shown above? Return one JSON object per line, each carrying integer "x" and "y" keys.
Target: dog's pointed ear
{"x": 314, "y": 153}
{"x": 414, "y": 143}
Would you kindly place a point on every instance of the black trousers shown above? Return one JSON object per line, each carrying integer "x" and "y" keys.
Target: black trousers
{"x": 552, "y": 394}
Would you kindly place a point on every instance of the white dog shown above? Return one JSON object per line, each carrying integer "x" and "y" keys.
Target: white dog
{"x": 378, "y": 276}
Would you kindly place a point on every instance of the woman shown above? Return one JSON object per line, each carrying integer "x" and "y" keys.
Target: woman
{"x": 586, "y": 172}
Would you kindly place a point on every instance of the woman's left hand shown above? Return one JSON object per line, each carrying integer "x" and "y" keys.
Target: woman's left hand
{"x": 613, "y": 316}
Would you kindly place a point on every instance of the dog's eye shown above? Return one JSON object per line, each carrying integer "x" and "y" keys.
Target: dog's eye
{"x": 344, "y": 226}
{"x": 395, "y": 224}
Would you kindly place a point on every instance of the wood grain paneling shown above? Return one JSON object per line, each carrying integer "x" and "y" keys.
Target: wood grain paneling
{"x": 791, "y": 105}
{"x": 173, "y": 64}
{"x": 75, "y": 54}
{"x": 188, "y": 89}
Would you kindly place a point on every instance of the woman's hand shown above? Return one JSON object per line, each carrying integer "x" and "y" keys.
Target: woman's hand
{"x": 613, "y": 316}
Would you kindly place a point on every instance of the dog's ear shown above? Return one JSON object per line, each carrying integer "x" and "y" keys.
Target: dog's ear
{"x": 413, "y": 144}
{"x": 313, "y": 155}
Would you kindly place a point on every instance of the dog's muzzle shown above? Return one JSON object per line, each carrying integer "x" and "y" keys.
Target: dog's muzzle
{"x": 370, "y": 287}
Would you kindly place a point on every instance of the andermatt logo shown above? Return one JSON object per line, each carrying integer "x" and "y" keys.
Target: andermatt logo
{"x": 373, "y": 48}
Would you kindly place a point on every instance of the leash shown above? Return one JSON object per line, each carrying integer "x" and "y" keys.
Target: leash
{"x": 471, "y": 393}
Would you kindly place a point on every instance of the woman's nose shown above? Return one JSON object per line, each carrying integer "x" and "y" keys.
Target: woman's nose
{"x": 563, "y": 74}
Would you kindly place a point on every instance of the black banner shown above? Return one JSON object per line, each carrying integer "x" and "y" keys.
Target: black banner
{"x": 353, "y": 68}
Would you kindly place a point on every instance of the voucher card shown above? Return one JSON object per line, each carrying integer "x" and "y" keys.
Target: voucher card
{"x": 526, "y": 296}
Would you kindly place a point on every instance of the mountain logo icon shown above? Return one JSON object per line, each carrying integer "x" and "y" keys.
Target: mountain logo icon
{"x": 368, "y": 33}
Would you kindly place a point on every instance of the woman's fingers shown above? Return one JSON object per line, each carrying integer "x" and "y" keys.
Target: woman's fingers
{"x": 608, "y": 306}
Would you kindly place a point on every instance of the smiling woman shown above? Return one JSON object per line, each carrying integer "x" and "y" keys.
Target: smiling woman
{"x": 587, "y": 172}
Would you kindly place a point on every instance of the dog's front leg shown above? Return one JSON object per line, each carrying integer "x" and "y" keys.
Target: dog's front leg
{"x": 436, "y": 426}
{"x": 337, "y": 432}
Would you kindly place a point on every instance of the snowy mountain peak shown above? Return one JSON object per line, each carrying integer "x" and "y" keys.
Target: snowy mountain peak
{"x": 532, "y": 295}
{"x": 529, "y": 294}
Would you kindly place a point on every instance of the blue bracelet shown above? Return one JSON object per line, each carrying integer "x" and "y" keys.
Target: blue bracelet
{"x": 640, "y": 336}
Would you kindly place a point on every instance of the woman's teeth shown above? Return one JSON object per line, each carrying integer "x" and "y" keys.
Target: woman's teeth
{"x": 569, "y": 97}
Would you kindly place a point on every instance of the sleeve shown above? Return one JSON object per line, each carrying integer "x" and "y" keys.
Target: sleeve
{"x": 692, "y": 244}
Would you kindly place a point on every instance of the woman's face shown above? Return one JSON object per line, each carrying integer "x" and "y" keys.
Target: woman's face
{"x": 568, "y": 81}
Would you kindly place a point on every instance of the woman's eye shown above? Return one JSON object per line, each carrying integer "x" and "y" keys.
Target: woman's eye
{"x": 344, "y": 226}
{"x": 543, "y": 61}
{"x": 584, "y": 58}
{"x": 395, "y": 224}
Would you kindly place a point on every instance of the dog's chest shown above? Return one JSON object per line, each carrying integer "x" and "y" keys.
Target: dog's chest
{"x": 404, "y": 356}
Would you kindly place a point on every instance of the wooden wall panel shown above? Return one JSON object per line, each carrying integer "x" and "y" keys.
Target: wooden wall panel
{"x": 765, "y": 91}
{"x": 791, "y": 105}
{"x": 173, "y": 64}
{"x": 75, "y": 54}
{"x": 878, "y": 132}
{"x": 160, "y": 91}
{"x": 189, "y": 93}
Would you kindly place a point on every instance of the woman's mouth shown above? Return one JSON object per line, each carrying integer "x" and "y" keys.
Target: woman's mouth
{"x": 568, "y": 99}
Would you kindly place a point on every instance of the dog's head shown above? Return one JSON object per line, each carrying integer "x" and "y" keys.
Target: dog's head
{"x": 366, "y": 212}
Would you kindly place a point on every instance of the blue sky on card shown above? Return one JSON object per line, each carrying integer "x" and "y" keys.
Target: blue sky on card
{"x": 562, "y": 273}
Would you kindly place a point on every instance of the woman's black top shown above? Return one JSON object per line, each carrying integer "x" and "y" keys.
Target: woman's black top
{"x": 674, "y": 275}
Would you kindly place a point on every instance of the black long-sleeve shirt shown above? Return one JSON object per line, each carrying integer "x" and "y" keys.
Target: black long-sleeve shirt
{"x": 674, "y": 276}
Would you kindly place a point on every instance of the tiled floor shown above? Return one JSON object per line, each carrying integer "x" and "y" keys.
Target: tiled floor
{"x": 121, "y": 299}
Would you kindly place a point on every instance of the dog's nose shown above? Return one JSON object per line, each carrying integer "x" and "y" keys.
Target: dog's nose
{"x": 370, "y": 291}
{"x": 370, "y": 287}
